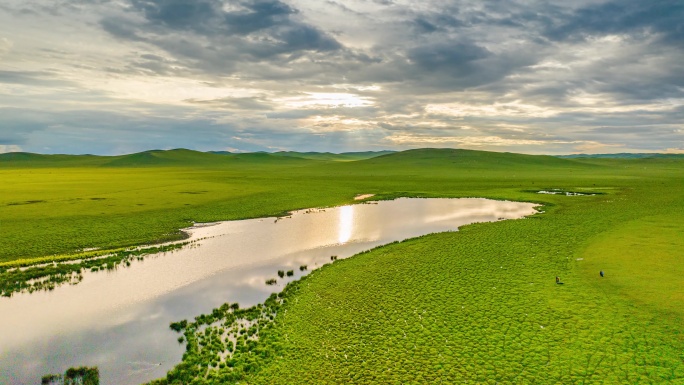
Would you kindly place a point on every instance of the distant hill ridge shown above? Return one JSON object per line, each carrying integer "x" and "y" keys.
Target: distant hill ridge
{"x": 428, "y": 157}
{"x": 345, "y": 156}
{"x": 175, "y": 157}
{"x": 440, "y": 157}
{"x": 623, "y": 155}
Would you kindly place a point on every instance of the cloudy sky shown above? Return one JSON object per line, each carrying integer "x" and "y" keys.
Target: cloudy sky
{"x": 539, "y": 77}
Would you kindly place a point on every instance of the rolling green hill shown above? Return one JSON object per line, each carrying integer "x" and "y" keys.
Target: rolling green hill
{"x": 153, "y": 158}
{"x": 26, "y": 159}
{"x": 624, "y": 156}
{"x": 432, "y": 157}
{"x": 345, "y": 156}
{"x": 177, "y": 157}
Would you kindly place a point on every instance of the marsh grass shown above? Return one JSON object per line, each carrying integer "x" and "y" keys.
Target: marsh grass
{"x": 49, "y": 276}
{"x": 73, "y": 376}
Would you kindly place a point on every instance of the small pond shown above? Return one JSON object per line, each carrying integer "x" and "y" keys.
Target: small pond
{"x": 119, "y": 320}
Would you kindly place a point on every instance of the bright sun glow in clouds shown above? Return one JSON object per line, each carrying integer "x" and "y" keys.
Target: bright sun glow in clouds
{"x": 326, "y": 100}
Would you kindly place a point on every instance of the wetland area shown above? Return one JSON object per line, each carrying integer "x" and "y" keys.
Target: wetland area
{"x": 475, "y": 305}
{"x": 118, "y": 320}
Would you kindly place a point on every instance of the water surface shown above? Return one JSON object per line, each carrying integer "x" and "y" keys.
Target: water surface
{"x": 118, "y": 320}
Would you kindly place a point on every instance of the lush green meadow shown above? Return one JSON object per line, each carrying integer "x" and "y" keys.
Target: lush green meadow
{"x": 476, "y": 306}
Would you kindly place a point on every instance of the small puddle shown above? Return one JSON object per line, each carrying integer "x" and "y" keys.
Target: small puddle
{"x": 561, "y": 192}
{"x": 361, "y": 197}
{"x": 119, "y": 320}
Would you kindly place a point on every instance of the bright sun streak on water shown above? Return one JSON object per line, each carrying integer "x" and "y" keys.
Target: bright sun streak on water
{"x": 346, "y": 223}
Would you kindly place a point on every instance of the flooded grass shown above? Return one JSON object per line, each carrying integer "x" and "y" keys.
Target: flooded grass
{"x": 49, "y": 276}
{"x": 81, "y": 375}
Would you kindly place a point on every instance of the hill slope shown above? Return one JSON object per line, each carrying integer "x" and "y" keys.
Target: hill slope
{"x": 446, "y": 157}
{"x": 27, "y": 159}
{"x": 345, "y": 156}
{"x": 623, "y": 155}
{"x": 176, "y": 157}
{"x": 152, "y": 158}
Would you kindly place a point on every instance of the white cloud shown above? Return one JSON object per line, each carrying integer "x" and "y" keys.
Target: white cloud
{"x": 316, "y": 100}
{"x": 474, "y": 141}
{"x": 5, "y": 45}
{"x": 515, "y": 109}
{"x": 4, "y": 148}
{"x": 593, "y": 147}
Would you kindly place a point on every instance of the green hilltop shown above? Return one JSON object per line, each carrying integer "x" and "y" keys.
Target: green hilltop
{"x": 177, "y": 157}
{"x": 345, "y": 156}
{"x": 446, "y": 157}
{"x": 27, "y": 159}
{"x": 190, "y": 158}
{"x": 624, "y": 156}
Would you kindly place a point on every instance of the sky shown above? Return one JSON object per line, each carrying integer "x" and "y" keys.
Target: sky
{"x": 526, "y": 76}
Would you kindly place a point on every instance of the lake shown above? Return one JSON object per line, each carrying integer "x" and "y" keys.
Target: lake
{"x": 119, "y": 320}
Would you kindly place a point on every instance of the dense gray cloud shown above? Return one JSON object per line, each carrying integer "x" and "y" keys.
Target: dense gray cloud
{"x": 515, "y": 75}
{"x": 209, "y": 35}
{"x": 664, "y": 18}
{"x": 34, "y": 78}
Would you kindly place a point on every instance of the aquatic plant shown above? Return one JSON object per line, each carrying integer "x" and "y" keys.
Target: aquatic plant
{"x": 281, "y": 273}
{"x": 290, "y": 273}
{"x": 74, "y": 376}
{"x": 50, "y": 275}
{"x": 179, "y": 326}
{"x": 271, "y": 281}
{"x": 226, "y": 345}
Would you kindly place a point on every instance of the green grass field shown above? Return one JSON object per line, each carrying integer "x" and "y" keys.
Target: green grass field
{"x": 476, "y": 306}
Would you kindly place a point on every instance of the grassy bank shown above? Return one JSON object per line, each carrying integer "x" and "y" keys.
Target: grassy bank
{"x": 480, "y": 305}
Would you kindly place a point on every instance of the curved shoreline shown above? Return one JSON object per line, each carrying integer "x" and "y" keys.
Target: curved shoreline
{"x": 182, "y": 263}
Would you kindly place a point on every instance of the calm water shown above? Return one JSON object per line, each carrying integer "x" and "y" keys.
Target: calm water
{"x": 119, "y": 320}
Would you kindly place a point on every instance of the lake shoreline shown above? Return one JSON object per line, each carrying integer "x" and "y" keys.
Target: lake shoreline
{"x": 204, "y": 236}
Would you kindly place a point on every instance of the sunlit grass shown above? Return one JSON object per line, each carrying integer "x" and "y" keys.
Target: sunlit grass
{"x": 643, "y": 260}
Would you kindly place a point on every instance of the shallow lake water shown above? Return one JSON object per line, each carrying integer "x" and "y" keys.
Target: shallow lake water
{"x": 119, "y": 320}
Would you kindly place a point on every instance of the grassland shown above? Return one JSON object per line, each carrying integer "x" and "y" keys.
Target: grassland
{"x": 476, "y": 306}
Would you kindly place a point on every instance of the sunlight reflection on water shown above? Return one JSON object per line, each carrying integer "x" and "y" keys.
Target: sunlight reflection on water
{"x": 346, "y": 223}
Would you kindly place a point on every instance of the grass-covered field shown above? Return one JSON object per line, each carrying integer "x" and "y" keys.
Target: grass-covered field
{"x": 480, "y": 305}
